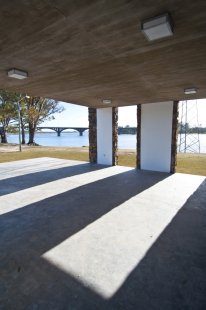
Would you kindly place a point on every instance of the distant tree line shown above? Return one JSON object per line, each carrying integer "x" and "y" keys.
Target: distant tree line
{"x": 182, "y": 128}
{"x": 31, "y": 111}
{"x": 127, "y": 130}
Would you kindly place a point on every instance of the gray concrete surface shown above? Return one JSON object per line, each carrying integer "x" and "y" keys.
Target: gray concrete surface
{"x": 81, "y": 236}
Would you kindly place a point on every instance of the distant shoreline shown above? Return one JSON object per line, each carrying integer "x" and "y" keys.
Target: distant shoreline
{"x": 14, "y": 147}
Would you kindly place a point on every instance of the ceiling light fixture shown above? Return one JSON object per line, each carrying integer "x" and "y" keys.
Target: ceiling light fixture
{"x": 157, "y": 27}
{"x": 189, "y": 91}
{"x": 17, "y": 74}
{"x": 107, "y": 101}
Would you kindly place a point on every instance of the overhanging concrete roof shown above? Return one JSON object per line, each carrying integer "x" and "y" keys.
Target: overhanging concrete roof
{"x": 84, "y": 51}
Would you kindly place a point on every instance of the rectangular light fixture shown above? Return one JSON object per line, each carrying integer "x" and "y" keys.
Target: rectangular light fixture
{"x": 17, "y": 74}
{"x": 189, "y": 91}
{"x": 158, "y": 27}
{"x": 107, "y": 101}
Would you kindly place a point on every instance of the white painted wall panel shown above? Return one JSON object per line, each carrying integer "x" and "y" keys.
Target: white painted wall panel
{"x": 104, "y": 136}
{"x": 156, "y": 135}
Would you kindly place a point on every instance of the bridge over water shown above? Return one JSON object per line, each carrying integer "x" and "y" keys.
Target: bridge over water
{"x": 121, "y": 130}
{"x": 60, "y": 129}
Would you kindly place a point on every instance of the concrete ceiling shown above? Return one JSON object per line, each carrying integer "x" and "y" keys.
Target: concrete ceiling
{"x": 82, "y": 51}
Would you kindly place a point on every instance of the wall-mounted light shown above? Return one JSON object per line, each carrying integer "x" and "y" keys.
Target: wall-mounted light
{"x": 17, "y": 74}
{"x": 157, "y": 27}
{"x": 191, "y": 90}
{"x": 107, "y": 101}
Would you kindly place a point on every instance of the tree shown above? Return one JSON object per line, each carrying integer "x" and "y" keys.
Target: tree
{"x": 7, "y": 112}
{"x": 23, "y": 116}
{"x": 39, "y": 109}
{"x": 33, "y": 111}
{"x": 19, "y": 102}
{"x": 183, "y": 127}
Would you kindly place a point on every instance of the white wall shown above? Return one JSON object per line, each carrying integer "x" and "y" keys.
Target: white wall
{"x": 156, "y": 136}
{"x": 104, "y": 136}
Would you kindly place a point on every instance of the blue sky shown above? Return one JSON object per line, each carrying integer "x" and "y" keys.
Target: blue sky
{"x": 75, "y": 115}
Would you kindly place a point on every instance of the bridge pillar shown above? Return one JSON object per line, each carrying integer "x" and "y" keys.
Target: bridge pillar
{"x": 59, "y": 132}
{"x": 157, "y": 138}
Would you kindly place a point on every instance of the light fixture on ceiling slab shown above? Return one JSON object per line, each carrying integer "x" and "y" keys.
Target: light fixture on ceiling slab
{"x": 17, "y": 74}
{"x": 158, "y": 27}
{"x": 190, "y": 91}
{"x": 107, "y": 101}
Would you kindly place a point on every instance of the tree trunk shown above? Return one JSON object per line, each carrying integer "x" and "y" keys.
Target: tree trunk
{"x": 31, "y": 134}
{"x": 3, "y": 136}
{"x": 22, "y": 129}
{"x": 22, "y": 134}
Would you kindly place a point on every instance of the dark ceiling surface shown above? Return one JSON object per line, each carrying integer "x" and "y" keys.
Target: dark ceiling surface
{"x": 83, "y": 51}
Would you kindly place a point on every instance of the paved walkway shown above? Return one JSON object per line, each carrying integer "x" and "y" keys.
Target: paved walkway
{"x": 81, "y": 236}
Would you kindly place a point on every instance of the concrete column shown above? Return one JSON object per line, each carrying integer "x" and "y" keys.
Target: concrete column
{"x": 114, "y": 136}
{"x": 107, "y": 136}
{"x": 174, "y": 136}
{"x": 138, "y": 157}
{"x": 92, "y": 135}
{"x": 157, "y": 136}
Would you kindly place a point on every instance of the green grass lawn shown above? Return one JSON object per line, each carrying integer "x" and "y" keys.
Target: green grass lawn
{"x": 38, "y": 151}
{"x": 191, "y": 163}
{"x": 186, "y": 163}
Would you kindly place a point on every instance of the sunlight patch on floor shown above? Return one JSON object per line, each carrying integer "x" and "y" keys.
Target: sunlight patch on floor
{"x": 102, "y": 255}
{"x": 37, "y": 193}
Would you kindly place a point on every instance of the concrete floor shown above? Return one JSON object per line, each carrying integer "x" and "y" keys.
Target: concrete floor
{"x": 80, "y": 236}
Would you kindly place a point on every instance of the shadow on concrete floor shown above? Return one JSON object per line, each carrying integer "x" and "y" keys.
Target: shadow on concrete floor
{"x": 170, "y": 276}
{"x": 173, "y": 273}
{"x": 18, "y": 183}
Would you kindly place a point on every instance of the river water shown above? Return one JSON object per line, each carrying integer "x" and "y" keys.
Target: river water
{"x": 73, "y": 139}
